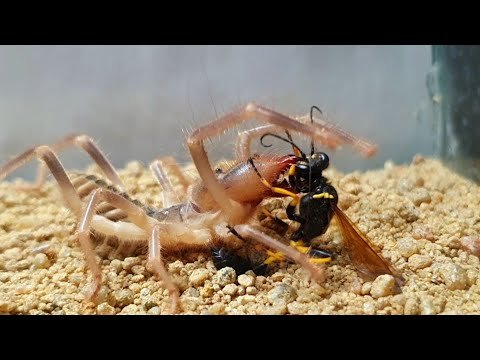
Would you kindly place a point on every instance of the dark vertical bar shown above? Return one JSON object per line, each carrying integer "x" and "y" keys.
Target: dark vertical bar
{"x": 454, "y": 85}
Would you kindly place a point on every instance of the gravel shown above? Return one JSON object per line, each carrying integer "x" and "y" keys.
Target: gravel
{"x": 424, "y": 218}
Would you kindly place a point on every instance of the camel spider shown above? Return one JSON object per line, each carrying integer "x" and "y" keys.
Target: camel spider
{"x": 229, "y": 198}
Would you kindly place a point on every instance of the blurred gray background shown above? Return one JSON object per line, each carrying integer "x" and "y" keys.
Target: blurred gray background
{"x": 139, "y": 102}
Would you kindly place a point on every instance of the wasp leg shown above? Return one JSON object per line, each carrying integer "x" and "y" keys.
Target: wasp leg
{"x": 319, "y": 253}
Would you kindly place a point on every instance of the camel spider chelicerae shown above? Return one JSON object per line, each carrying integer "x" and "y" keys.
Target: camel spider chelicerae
{"x": 229, "y": 198}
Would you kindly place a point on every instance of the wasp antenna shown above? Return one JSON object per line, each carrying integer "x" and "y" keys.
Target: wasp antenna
{"x": 288, "y": 135}
{"x": 312, "y": 145}
{"x": 296, "y": 148}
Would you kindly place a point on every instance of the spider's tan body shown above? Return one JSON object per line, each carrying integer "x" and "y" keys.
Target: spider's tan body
{"x": 114, "y": 226}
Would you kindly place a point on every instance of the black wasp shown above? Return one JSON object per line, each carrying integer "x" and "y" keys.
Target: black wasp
{"x": 314, "y": 204}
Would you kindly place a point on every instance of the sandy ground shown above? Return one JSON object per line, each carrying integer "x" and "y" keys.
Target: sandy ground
{"x": 425, "y": 218}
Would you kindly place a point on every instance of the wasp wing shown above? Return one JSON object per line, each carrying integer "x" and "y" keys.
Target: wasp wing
{"x": 368, "y": 262}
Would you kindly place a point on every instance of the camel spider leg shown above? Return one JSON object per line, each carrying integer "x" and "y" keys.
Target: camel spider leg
{"x": 169, "y": 162}
{"x": 46, "y": 154}
{"x": 246, "y": 137}
{"x": 330, "y": 136}
{"x": 170, "y": 196}
{"x": 82, "y": 141}
{"x": 156, "y": 263}
{"x": 138, "y": 217}
{"x": 317, "y": 272}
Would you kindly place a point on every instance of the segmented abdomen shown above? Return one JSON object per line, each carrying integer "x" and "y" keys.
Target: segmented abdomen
{"x": 86, "y": 184}
{"x": 108, "y": 246}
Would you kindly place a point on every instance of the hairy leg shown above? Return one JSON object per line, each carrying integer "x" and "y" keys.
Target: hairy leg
{"x": 135, "y": 214}
{"x": 317, "y": 272}
{"x": 330, "y": 136}
{"x": 245, "y": 138}
{"x": 155, "y": 263}
{"x": 170, "y": 196}
{"x": 82, "y": 141}
{"x": 47, "y": 155}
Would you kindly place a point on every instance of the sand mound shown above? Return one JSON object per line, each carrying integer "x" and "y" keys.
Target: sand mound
{"x": 423, "y": 216}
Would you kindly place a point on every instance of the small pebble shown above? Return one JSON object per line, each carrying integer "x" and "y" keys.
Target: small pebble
{"x": 282, "y": 293}
{"x": 105, "y": 309}
{"x": 246, "y": 280}
{"x": 420, "y": 195}
{"x": 411, "y": 307}
{"x": 366, "y": 287}
{"x": 123, "y": 297}
{"x": 230, "y": 289}
{"x": 154, "y": 311}
{"x": 296, "y": 308}
{"x": 251, "y": 290}
{"x": 241, "y": 290}
{"x": 41, "y": 261}
{"x": 225, "y": 276}
{"x": 471, "y": 244}
{"x": 426, "y": 307}
{"x": 148, "y": 301}
{"x": 278, "y": 308}
{"x": 383, "y": 285}
{"x": 129, "y": 310}
{"x": 416, "y": 262}
{"x": 198, "y": 277}
{"x": 369, "y": 308}
{"x": 455, "y": 276}
{"x": 116, "y": 265}
{"x": 407, "y": 246}
{"x": 217, "y": 309}
{"x": 191, "y": 292}
{"x": 129, "y": 262}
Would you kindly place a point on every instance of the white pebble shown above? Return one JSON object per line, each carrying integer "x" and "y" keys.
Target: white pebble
{"x": 246, "y": 280}
{"x": 366, "y": 287}
{"x": 241, "y": 290}
{"x": 369, "y": 308}
{"x": 198, "y": 277}
{"x": 455, "y": 276}
{"x": 225, "y": 276}
{"x": 407, "y": 246}
{"x": 105, "y": 309}
{"x": 123, "y": 297}
{"x": 416, "y": 262}
{"x": 383, "y": 285}
{"x": 129, "y": 310}
{"x": 230, "y": 289}
{"x": 420, "y": 195}
{"x": 282, "y": 293}
{"x": 245, "y": 299}
{"x": 41, "y": 261}
{"x": 129, "y": 262}
{"x": 116, "y": 265}
{"x": 251, "y": 290}
{"x": 154, "y": 311}
{"x": 217, "y": 309}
